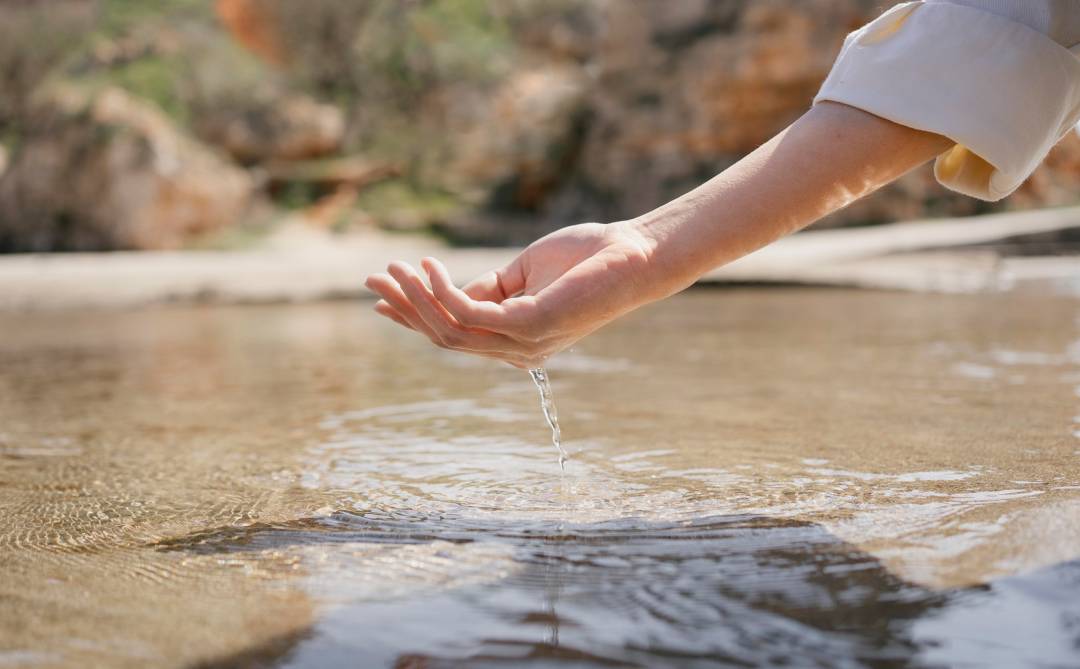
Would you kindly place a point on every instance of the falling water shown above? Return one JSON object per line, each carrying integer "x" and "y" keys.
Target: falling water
{"x": 547, "y": 403}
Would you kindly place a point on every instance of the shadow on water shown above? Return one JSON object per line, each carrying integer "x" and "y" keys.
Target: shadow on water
{"x": 719, "y": 591}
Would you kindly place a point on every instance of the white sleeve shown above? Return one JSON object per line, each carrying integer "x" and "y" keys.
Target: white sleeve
{"x": 1004, "y": 92}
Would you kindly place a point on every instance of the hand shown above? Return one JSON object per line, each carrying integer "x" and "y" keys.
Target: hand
{"x": 575, "y": 280}
{"x": 561, "y": 288}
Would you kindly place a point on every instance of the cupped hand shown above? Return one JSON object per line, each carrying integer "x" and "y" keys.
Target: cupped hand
{"x": 561, "y": 288}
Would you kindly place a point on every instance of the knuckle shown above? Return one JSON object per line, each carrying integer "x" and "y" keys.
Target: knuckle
{"x": 438, "y": 290}
{"x": 453, "y": 339}
{"x": 465, "y": 318}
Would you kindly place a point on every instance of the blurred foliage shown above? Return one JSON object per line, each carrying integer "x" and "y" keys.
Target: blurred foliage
{"x": 298, "y": 194}
{"x": 406, "y": 206}
{"x": 403, "y": 47}
{"x": 386, "y": 63}
{"x": 174, "y": 54}
{"x": 35, "y": 39}
{"x": 564, "y": 109}
{"x": 119, "y": 17}
{"x": 159, "y": 79}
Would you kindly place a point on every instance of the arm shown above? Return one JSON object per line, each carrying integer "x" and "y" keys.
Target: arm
{"x": 830, "y": 157}
{"x": 577, "y": 279}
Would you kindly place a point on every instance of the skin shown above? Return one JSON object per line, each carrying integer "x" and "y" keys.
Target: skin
{"x": 577, "y": 279}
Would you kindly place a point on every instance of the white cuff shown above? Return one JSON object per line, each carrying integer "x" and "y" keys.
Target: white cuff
{"x": 1002, "y": 91}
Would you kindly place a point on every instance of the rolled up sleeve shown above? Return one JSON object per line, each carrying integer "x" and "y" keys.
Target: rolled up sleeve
{"x": 1002, "y": 91}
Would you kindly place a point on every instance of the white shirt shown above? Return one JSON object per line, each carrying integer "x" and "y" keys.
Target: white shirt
{"x": 1057, "y": 19}
{"x": 1001, "y": 78}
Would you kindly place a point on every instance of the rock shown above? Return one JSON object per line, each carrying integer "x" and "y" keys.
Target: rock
{"x": 352, "y": 171}
{"x": 1053, "y": 184}
{"x": 112, "y": 172}
{"x": 595, "y": 110}
{"x": 253, "y": 27}
{"x": 673, "y": 93}
{"x": 36, "y": 38}
{"x": 668, "y": 95}
{"x": 678, "y": 96}
{"x": 331, "y": 210}
{"x": 315, "y": 38}
{"x": 291, "y": 127}
{"x": 518, "y": 149}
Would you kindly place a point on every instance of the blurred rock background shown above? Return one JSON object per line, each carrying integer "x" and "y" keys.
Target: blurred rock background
{"x": 153, "y": 124}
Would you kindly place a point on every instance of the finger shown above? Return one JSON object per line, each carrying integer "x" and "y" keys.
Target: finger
{"x": 396, "y": 306}
{"x": 496, "y": 285}
{"x": 486, "y": 287}
{"x": 466, "y": 310}
{"x": 392, "y": 296}
{"x": 383, "y": 308}
{"x": 581, "y": 301}
{"x": 391, "y": 292}
{"x": 445, "y": 326}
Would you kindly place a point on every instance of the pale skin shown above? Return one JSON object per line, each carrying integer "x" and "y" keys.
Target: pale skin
{"x": 577, "y": 279}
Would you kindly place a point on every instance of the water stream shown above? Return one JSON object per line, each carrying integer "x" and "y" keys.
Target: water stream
{"x": 547, "y": 403}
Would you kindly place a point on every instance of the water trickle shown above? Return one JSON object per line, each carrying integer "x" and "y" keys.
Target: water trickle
{"x": 547, "y": 403}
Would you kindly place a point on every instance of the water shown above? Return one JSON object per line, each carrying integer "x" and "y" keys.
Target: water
{"x": 551, "y": 414}
{"x": 812, "y": 477}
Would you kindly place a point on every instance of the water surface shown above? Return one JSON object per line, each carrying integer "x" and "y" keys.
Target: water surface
{"x": 810, "y": 477}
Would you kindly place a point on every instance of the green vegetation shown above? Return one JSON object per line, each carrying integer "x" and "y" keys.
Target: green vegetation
{"x": 408, "y": 206}
{"x": 35, "y": 39}
{"x": 159, "y": 79}
{"x": 236, "y": 237}
{"x": 297, "y": 195}
{"x": 462, "y": 39}
{"x": 120, "y": 17}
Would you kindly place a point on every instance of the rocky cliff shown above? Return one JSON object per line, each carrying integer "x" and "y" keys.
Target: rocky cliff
{"x": 607, "y": 108}
{"x": 112, "y": 172}
{"x": 506, "y": 119}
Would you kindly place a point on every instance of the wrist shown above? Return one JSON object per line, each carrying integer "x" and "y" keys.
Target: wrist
{"x": 634, "y": 233}
{"x": 661, "y": 271}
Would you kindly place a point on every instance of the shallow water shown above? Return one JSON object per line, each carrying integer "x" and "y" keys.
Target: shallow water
{"x": 817, "y": 478}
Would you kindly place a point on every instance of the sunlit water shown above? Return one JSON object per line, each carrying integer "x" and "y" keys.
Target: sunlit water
{"x": 759, "y": 477}
{"x": 551, "y": 413}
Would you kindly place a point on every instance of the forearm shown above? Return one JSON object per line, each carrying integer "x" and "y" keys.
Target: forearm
{"x": 573, "y": 281}
{"x": 830, "y": 157}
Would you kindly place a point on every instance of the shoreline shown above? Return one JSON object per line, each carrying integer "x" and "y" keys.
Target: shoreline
{"x": 302, "y": 264}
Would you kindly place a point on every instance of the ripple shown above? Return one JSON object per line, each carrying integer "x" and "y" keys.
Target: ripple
{"x": 202, "y": 491}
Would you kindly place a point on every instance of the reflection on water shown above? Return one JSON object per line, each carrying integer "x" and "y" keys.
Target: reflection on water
{"x": 816, "y": 478}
